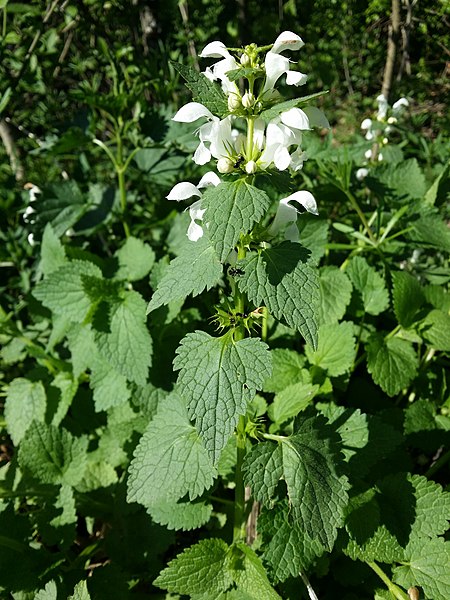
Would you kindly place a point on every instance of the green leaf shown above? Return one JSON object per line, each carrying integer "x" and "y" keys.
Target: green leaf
{"x": 336, "y": 349}
{"x": 136, "y": 258}
{"x": 180, "y": 515}
{"x": 50, "y": 592}
{"x": 63, "y": 291}
{"x": 170, "y": 460}
{"x": 431, "y": 229}
{"x": 433, "y": 192}
{"x": 313, "y": 232}
{"x": 127, "y": 344}
{"x": 335, "y": 293}
{"x": 435, "y": 328}
{"x": 426, "y": 565}
{"x": 53, "y": 455}
{"x": 25, "y": 402}
{"x": 4, "y": 100}
{"x": 197, "y": 269}
{"x": 405, "y": 178}
{"x": 53, "y": 254}
{"x": 288, "y": 549}
{"x": 250, "y": 575}
{"x": 306, "y": 461}
{"x": 232, "y": 208}
{"x": 203, "y": 90}
{"x": 287, "y": 369}
{"x": 277, "y": 109}
{"x": 292, "y": 400}
{"x": 369, "y": 284}
{"x": 82, "y": 348}
{"x": 62, "y": 205}
{"x": 392, "y": 363}
{"x": 67, "y": 387}
{"x": 200, "y": 570}
{"x": 219, "y": 377}
{"x": 407, "y": 296}
{"x": 109, "y": 387}
{"x": 66, "y": 503}
{"x": 240, "y": 72}
{"x": 280, "y": 279}
{"x": 80, "y": 592}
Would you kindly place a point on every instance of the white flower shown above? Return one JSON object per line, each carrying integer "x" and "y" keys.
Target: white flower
{"x": 33, "y": 191}
{"x": 366, "y": 124}
{"x": 362, "y": 173}
{"x": 286, "y": 215}
{"x": 215, "y": 136}
{"x": 219, "y": 69}
{"x": 185, "y": 190}
{"x": 400, "y": 105}
{"x": 276, "y": 65}
{"x": 382, "y": 107}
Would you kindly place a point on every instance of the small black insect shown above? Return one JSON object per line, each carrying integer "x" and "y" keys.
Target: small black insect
{"x": 233, "y": 272}
{"x": 238, "y": 163}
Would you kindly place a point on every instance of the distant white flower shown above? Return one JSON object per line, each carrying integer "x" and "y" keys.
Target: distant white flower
{"x": 276, "y": 64}
{"x": 362, "y": 173}
{"x": 33, "y": 191}
{"x": 382, "y": 107}
{"x": 400, "y": 105}
{"x": 287, "y": 213}
{"x": 185, "y": 190}
{"x": 366, "y": 124}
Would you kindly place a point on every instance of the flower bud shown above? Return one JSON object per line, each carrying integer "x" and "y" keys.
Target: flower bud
{"x": 392, "y": 120}
{"x": 225, "y": 165}
{"x": 385, "y": 141}
{"x": 248, "y": 100}
{"x": 245, "y": 60}
{"x": 251, "y": 167}
{"x": 234, "y": 102}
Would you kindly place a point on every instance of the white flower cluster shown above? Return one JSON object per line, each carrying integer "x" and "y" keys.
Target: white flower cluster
{"x": 264, "y": 145}
{"x": 378, "y": 130}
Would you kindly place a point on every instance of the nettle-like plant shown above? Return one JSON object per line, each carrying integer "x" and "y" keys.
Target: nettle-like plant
{"x": 209, "y": 427}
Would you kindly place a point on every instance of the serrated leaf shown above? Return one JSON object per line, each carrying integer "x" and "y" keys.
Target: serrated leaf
{"x": 180, "y": 515}
{"x": 232, "y": 208}
{"x": 426, "y": 565}
{"x": 127, "y": 345}
{"x": 277, "y": 109}
{"x": 97, "y": 474}
{"x": 306, "y": 461}
{"x": 63, "y": 291}
{"x": 435, "y": 328}
{"x": 80, "y": 592}
{"x": 313, "y": 233}
{"x": 219, "y": 377}
{"x": 366, "y": 439}
{"x": 335, "y": 293}
{"x": 287, "y": 369}
{"x": 281, "y": 279}
{"x": 26, "y": 402}
{"x": 201, "y": 569}
{"x": 67, "y": 387}
{"x": 335, "y": 350}
{"x": 50, "y": 592}
{"x": 65, "y": 502}
{"x": 405, "y": 179}
{"x": 170, "y": 460}
{"x": 203, "y": 90}
{"x": 53, "y": 254}
{"x": 82, "y": 348}
{"x": 109, "y": 387}
{"x": 432, "y": 230}
{"x": 433, "y": 192}
{"x": 407, "y": 296}
{"x": 236, "y": 74}
{"x": 369, "y": 283}
{"x": 53, "y": 455}
{"x": 392, "y": 363}
{"x": 200, "y": 262}
{"x": 287, "y": 548}
{"x": 136, "y": 258}
{"x": 250, "y": 575}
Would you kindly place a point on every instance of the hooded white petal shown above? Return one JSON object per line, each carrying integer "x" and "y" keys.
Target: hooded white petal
{"x": 195, "y": 231}
{"x": 285, "y": 214}
{"x": 215, "y": 50}
{"x": 275, "y": 65}
{"x": 209, "y": 178}
{"x": 287, "y": 41}
{"x": 306, "y": 199}
{"x": 192, "y": 111}
{"x": 296, "y": 78}
{"x": 202, "y": 155}
{"x": 183, "y": 191}
{"x": 295, "y": 117}
{"x": 366, "y": 124}
{"x": 282, "y": 158}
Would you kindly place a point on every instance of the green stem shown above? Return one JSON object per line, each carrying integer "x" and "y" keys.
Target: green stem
{"x": 361, "y": 215}
{"x": 394, "y": 589}
{"x": 264, "y": 325}
{"x": 441, "y": 461}
{"x": 250, "y": 130}
{"x": 120, "y": 170}
{"x": 239, "y": 497}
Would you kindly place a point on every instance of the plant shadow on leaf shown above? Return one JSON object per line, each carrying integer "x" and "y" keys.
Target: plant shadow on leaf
{"x": 282, "y": 260}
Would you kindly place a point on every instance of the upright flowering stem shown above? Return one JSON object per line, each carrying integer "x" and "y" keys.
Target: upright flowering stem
{"x": 239, "y": 501}
{"x": 120, "y": 170}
